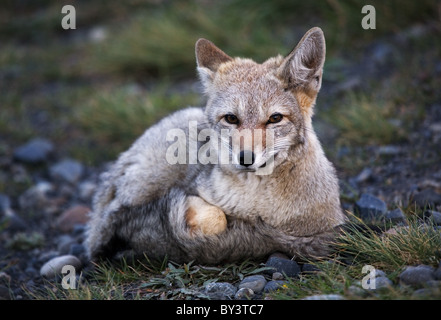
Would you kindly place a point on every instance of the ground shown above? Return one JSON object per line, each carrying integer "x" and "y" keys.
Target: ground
{"x": 91, "y": 91}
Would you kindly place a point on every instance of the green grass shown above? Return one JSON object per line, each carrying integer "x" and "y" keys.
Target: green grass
{"x": 363, "y": 121}
{"x": 341, "y": 274}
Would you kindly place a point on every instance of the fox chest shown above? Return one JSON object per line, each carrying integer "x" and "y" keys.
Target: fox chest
{"x": 250, "y": 198}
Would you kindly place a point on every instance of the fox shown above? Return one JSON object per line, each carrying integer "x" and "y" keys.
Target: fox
{"x": 170, "y": 195}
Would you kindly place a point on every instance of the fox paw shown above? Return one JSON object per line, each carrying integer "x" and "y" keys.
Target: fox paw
{"x": 204, "y": 217}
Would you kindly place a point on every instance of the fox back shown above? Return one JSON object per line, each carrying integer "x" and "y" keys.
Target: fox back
{"x": 264, "y": 184}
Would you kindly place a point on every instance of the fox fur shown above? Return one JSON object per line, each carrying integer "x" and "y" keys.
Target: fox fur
{"x": 219, "y": 212}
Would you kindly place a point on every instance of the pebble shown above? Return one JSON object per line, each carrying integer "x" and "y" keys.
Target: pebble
{"x": 395, "y": 216}
{"x": 433, "y": 216}
{"x": 67, "y": 170}
{"x": 273, "y": 285}
{"x": 54, "y": 266}
{"x": 285, "y": 266}
{"x": 417, "y": 276}
{"x": 427, "y": 198}
{"x": 244, "y": 294}
{"x": 325, "y": 297}
{"x": 73, "y": 216}
{"x": 220, "y": 291}
{"x": 370, "y": 207}
{"x": 4, "y": 293}
{"x": 255, "y": 283}
{"x": 35, "y": 151}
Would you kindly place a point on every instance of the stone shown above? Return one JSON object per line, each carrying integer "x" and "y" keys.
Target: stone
{"x": 433, "y": 216}
{"x": 54, "y": 266}
{"x": 255, "y": 283}
{"x": 370, "y": 207}
{"x": 288, "y": 267}
{"x": 4, "y": 293}
{"x": 71, "y": 217}
{"x": 382, "y": 283}
{"x": 308, "y": 268}
{"x": 395, "y": 216}
{"x": 364, "y": 176}
{"x": 427, "y": 198}
{"x": 77, "y": 250}
{"x": 273, "y": 285}
{"x": 278, "y": 276}
{"x": 417, "y": 276}
{"x": 35, "y": 151}
{"x": 325, "y": 297}
{"x": 220, "y": 291}
{"x": 67, "y": 170}
{"x": 244, "y": 294}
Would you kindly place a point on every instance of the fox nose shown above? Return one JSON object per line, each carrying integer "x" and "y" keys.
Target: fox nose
{"x": 246, "y": 158}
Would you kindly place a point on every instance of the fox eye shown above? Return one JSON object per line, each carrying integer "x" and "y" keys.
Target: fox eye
{"x": 274, "y": 118}
{"x": 231, "y": 119}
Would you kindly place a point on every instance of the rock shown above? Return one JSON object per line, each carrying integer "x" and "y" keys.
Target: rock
{"x": 309, "y": 268}
{"x": 64, "y": 243}
{"x": 77, "y": 250}
{"x": 388, "y": 150}
{"x": 433, "y": 216}
{"x": 382, "y": 283}
{"x": 4, "y": 293}
{"x": 273, "y": 285}
{"x": 71, "y": 217}
{"x": 244, "y": 294}
{"x": 437, "y": 273}
{"x": 255, "y": 283}
{"x": 278, "y": 276}
{"x": 288, "y": 267}
{"x": 427, "y": 198}
{"x": 54, "y": 266}
{"x": 35, "y": 151}
{"x": 417, "y": 276}
{"x": 67, "y": 170}
{"x": 13, "y": 223}
{"x": 364, "y": 176}
{"x": 5, "y": 204}
{"x": 395, "y": 216}
{"x": 325, "y": 297}
{"x": 86, "y": 190}
{"x": 36, "y": 197}
{"x": 220, "y": 291}
{"x": 370, "y": 208}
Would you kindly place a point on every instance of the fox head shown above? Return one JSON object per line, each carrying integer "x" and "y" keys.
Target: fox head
{"x": 275, "y": 98}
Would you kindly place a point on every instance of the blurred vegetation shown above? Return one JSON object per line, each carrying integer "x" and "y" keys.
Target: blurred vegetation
{"x": 70, "y": 85}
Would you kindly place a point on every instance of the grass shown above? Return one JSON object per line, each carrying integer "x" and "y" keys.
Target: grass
{"x": 342, "y": 274}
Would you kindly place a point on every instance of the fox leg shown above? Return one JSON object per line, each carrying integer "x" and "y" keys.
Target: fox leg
{"x": 204, "y": 217}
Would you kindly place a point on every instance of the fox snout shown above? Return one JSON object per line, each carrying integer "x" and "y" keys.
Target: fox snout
{"x": 246, "y": 158}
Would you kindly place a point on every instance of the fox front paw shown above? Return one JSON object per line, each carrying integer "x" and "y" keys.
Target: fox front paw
{"x": 204, "y": 217}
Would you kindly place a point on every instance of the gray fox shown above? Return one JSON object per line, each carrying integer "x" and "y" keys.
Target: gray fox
{"x": 241, "y": 178}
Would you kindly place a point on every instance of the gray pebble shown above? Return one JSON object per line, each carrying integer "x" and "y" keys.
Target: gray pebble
{"x": 273, "y": 285}
{"x": 35, "y": 151}
{"x": 220, "y": 291}
{"x": 67, "y": 170}
{"x": 54, "y": 266}
{"x": 370, "y": 207}
{"x": 244, "y": 294}
{"x": 396, "y": 216}
{"x": 255, "y": 283}
{"x": 325, "y": 297}
{"x": 290, "y": 268}
{"x": 417, "y": 276}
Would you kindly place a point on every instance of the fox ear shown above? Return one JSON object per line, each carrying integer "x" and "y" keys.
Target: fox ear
{"x": 209, "y": 58}
{"x": 302, "y": 68}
